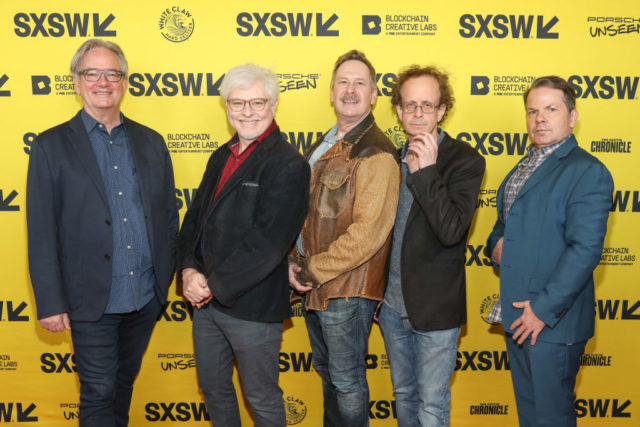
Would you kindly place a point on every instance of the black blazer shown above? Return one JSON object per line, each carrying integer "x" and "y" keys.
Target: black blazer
{"x": 240, "y": 241}
{"x": 435, "y": 236}
{"x": 69, "y": 221}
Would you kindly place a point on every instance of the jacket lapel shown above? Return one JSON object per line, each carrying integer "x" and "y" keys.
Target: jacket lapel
{"x": 82, "y": 146}
{"x": 144, "y": 172}
{"x": 552, "y": 162}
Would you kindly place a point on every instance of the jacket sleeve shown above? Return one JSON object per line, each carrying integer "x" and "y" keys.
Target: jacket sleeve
{"x": 44, "y": 262}
{"x": 173, "y": 217}
{"x": 586, "y": 225}
{"x": 281, "y": 213}
{"x": 374, "y": 211}
{"x": 449, "y": 207}
{"x": 187, "y": 239}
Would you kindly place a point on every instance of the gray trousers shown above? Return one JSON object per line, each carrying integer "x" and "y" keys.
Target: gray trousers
{"x": 219, "y": 339}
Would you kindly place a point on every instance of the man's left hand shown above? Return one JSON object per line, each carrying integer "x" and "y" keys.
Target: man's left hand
{"x": 422, "y": 151}
{"x": 528, "y": 323}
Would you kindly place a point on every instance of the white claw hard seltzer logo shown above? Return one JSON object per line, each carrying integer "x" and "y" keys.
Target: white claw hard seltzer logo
{"x": 176, "y": 24}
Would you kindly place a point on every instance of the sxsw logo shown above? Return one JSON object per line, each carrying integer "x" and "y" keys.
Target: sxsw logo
{"x": 478, "y": 256}
{"x": 602, "y": 408}
{"x": 3, "y": 80}
{"x": 496, "y": 143}
{"x": 296, "y": 362}
{"x": 17, "y": 412}
{"x": 482, "y": 360}
{"x": 176, "y": 311}
{"x": 56, "y": 363}
{"x": 176, "y": 411}
{"x": 605, "y": 87}
{"x": 503, "y": 26}
{"x": 5, "y": 205}
{"x": 625, "y": 201}
{"x": 479, "y": 85}
{"x": 58, "y": 24}
{"x": 382, "y": 409}
{"x": 185, "y": 196}
{"x": 14, "y": 312}
{"x": 280, "y": 24}
{"x": 41, "y": 85}
{"x": 172, "y": 84}
{"x": 371, "y": 24}
{"x": 618, "y": 309}
{"x": 385, "y": 83}
{"x": 301, "y": 140}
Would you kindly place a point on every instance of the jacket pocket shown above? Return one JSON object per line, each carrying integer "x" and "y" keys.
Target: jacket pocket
{"x": 333, "y": 192}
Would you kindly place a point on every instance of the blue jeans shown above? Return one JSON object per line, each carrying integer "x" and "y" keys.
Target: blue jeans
{"x": 219, "y": 339}
{"x": 422, "y": 363}
{"x": 108, "y": 355}
{"x": 339, "y": 340}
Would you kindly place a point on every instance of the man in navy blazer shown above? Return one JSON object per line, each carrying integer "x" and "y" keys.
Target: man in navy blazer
{"x": 233, "y": 247}
{"x": 102, "y": 229}
{"x": 552, "y": 219}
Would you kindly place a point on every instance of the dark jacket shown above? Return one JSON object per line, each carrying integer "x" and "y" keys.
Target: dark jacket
{"x": 240, "y": 241}
{"x": 435, "y": 236}
{"x": 69, "y": 221}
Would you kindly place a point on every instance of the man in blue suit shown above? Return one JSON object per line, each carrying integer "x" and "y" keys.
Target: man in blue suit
{"x": 552, "y": 218}
{"x": 103, "y": 222}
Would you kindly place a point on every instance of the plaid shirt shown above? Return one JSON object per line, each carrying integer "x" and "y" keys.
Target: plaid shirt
{"x": 518, "y": 179}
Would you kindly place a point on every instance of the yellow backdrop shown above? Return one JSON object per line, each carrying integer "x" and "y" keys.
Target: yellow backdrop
{"x": 178, "y": 52}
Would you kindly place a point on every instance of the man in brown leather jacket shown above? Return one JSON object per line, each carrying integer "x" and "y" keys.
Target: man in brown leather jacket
{"x": 339, "y": 262}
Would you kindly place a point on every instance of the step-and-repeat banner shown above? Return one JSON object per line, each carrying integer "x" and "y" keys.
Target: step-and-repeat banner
{"x": 178, "y": 52}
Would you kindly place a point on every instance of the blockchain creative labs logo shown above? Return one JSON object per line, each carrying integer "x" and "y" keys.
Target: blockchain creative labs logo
{"x": 501, "y": 85}
{"x": 612, "y": 26}
{"x": 176, "y": 361}
{"x": 298, "y": 81}
{"x": 397, "y": 135}
{"x": 492, "y": 408}
{"x": 596, "y": 359}
{"x": 8, "y": 363}
{"x": 295, "y": 410}
{"x": 399, "y": 25}
{"x": 617, "y": 256}
{"x": 70, "y": 411}
{"x": 486, "y": 306}
{"x": 176, "y": 24}
{"x": 191, "y": 142}
{"x": 611, "y": 145}
{"x": 58, "y": 84}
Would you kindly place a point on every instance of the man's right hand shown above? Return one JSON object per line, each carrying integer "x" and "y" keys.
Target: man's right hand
{"x": 56, "y": 323}
{"x": 294, "y": 269}
{"x": 496, "y": 255}
{"x": 195, "y": 288}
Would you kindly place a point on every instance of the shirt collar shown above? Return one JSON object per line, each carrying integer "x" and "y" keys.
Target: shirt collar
{"x": 90, "y": 123}
{"x": 545, "y": 151}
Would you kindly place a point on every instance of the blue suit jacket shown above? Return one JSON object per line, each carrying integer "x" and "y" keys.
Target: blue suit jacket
{"x": 69, "y": 220}
{"x": 553, "y": 241}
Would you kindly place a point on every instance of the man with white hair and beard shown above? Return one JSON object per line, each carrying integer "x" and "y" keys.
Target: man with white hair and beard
{"x": 340, "y": 258}
{"x": 232, "y": 252}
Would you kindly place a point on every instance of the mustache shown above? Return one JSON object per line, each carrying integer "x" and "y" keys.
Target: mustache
{"x": 349, "y": 97}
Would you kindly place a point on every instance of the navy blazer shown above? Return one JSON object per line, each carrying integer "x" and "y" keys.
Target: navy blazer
{"x": 69, "y": 221}
{"x": 553, "y": 241}
{"x": 240, "y": 240}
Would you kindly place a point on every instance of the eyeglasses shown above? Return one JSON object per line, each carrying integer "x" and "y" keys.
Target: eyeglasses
{"x": 256, "y": 104}
{"x": 92, "y": 75}
{"x": 426, "y": 107}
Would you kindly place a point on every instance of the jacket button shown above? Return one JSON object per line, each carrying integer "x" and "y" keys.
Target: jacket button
{"x": 106, "y": 221}
{"x": 107, "y": 257}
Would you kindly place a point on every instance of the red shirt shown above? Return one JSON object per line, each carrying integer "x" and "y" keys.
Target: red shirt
{"x": 235, "y": 160}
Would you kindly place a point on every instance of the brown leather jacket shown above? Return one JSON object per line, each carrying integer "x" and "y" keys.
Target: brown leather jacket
{"x": 352, "y": 206}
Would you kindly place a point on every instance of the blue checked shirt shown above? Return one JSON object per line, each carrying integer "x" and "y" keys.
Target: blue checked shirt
{"x": 133, "y": 277}
{"x": 518, "y": 179}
